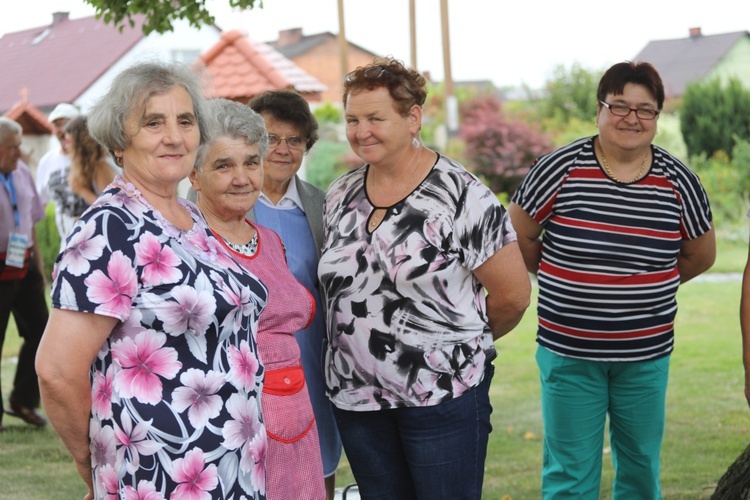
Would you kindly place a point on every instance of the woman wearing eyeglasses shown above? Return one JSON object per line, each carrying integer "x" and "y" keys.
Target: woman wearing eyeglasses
{"x": 411, "y": 242}
{"x": 611, "y": 225}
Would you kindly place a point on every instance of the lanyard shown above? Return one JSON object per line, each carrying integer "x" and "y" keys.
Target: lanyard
{"x": 8, "y": 183}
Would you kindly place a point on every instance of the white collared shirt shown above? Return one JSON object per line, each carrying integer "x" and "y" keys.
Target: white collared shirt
{"x": 289, "y": 201}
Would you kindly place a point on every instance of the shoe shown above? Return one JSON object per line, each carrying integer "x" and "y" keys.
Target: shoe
{"x": 28, "y": 415}
{"x": 2, "y": 429}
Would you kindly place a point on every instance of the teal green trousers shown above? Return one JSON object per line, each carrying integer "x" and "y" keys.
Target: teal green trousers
{"x": 577, "y": 397}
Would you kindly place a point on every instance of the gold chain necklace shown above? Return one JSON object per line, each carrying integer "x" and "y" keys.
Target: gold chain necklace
{"x": 612, "y": 174}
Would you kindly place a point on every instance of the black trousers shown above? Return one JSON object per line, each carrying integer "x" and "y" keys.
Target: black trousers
{"x": 26, "y": 299}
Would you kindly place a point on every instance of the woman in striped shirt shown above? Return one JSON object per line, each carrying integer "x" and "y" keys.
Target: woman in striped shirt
{"x": 611, "y": 225}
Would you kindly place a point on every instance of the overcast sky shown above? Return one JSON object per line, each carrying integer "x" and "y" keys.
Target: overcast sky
{"x": 508, "y": 42}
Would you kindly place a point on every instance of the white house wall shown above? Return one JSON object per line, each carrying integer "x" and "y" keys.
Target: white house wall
{"x": 153, "y": 47}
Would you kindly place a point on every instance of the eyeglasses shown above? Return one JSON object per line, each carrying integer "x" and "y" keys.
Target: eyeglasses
{"x": 292, "y": 142}
{"x": 374, "y": 73}
{"x": 622, "y": 110}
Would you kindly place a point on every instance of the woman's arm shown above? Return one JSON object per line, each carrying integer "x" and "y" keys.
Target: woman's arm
{"x": 528, "y": 231}
{"x": 508, "y": 288}
{"x": 697, "y": 255}
{"x": 79, "y": 187}
{"x": 69, "y": 345}
{"x": 745, "y": 326}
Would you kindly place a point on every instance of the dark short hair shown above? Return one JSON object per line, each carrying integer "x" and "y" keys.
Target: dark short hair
{"x": 641, "y": 73}
{"x": 405, "y": 85}
{"x": 290, "y": 107}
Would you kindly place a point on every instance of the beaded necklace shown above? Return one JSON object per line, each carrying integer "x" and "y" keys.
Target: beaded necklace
{"x": 246, "y": 249}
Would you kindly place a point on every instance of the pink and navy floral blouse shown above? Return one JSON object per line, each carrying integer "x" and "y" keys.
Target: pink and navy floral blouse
{"x": 175, "y": 400}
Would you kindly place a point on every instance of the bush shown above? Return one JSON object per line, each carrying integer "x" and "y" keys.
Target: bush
{"x": 49, "y": 239}
{"x": 727, "y": 182}
{"x": 327, "y": 113}
{"x": 714, "y": 116}
{"x": 499, "y": 150}
{"x": 327, "y": 161}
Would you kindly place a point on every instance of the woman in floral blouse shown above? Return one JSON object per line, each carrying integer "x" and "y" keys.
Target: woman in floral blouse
{"x": 148, "y": 365}
{"x": 228, "y": 178}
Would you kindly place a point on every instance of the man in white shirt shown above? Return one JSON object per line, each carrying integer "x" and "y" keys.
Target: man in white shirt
{"x": 52, "y": 173}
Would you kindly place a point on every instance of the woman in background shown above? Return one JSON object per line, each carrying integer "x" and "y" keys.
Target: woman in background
{"x": 90, "y": 169}
{"x": 293, "y": 208}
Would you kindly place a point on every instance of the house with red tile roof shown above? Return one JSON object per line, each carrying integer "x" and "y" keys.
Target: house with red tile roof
{"x": 241, "y": 68}
{"x": 319, "y": 56}
{"x": 699, "y": 57}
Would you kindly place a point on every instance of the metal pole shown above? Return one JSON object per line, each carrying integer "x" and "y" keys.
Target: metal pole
{"x": 451, "y": 111}
{"x": 343, "y": 46}
{"x": 413, "y": 32}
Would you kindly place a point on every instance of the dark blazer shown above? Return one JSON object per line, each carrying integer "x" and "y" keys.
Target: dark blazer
{"x": 312, "y": 203}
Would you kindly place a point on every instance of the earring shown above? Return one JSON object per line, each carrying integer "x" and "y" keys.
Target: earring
{"x": 415, "y": 142}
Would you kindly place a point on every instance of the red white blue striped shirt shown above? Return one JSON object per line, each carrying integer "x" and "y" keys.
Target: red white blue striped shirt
{"x": 608, "y": 274}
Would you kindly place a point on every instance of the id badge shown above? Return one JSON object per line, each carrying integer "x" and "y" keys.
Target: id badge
{"x": 16, "y": 254}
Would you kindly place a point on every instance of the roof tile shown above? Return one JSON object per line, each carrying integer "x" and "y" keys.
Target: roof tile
{"x": 241, "y": 68}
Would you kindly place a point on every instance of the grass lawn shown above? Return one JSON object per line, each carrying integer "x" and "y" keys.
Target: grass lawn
{"x": 707, "y": 416}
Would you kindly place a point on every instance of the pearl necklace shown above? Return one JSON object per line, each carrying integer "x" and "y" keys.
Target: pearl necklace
{"x": 612, "y": 174}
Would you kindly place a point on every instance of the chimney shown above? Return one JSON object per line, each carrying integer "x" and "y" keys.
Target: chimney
{"x": 695, "y": 32}
{"x": 289, "y": 37}
{"x": 59, "y": 17}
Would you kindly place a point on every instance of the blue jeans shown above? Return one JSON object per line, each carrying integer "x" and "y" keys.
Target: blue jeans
{"x": 430, "y": 452}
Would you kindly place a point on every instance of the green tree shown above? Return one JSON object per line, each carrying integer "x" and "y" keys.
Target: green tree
{"x": 327, "y": 113}
{"x": 714, "y": 116}
{"x": 569, "y": 94}
{"x": 160, "y": 15}
{"x": 327, "y": 161}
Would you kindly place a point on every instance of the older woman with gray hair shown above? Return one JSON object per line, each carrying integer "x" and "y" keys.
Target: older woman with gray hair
{"x": 228, "y": 178}
{"x": 148, "y": 366}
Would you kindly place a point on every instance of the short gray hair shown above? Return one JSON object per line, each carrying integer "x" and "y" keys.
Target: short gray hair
{"x": 235, "y": 120}
{"x": 131, "y": 90}
{"x": 8, "y": 128}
